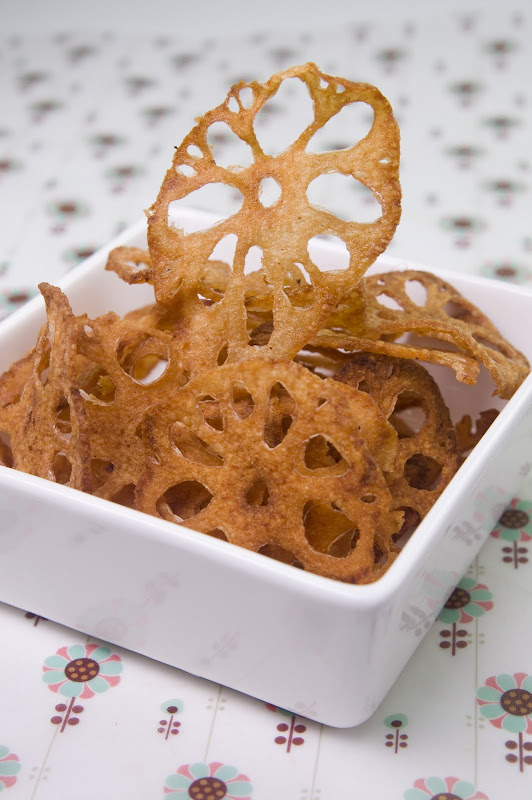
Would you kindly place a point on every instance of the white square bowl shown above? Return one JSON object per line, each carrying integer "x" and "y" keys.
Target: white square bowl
{"x": 317, "y": 647}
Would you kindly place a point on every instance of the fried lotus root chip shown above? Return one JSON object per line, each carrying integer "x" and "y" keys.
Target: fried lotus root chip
{"x": 438, "y": 312}
{"x": 427, "y": 454}
{"x": 270, "y": 457}
{"x": 125, "y": 365}
{"x": 280, "y": 232}
{"x": 132, "y": 264}
{"x": 42, "y": 443}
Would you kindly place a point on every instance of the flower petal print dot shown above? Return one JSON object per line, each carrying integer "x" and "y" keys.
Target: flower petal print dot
{"x": 443, "y": 789}
{"x": 9, "y": 767}
{"x": 212, "y": 781}
{"x": 82, "y": 670}
{"x": 515, "y": 523}
{"x": 468, "y": 600}
{"x": 506, "y": 700}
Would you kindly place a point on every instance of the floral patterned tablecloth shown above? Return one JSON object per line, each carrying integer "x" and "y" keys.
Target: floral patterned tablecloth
{"x": 87, "y": 129}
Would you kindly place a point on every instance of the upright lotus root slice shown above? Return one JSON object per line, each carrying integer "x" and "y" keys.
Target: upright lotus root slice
{"x": 125, "y": 365}
{"x": 281, "y": 231}
{"x": 42, "y": 443}
{"x": 427, "y": 455}
{"x": 409, "y": 301}
{"x": 274, "y": 459}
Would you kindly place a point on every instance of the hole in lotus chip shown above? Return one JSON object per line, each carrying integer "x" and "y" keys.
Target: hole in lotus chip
{"x": 279, "y": 553}
{"x": 408, "y": 416}
{"x": 321, "y": 454}
{"x": 323, "y": 258}
{"x": 211, "y": 197}
{"x": 368, "y": 498}
{"x": 62, "y": 417}
{"x": 61, "y": 468}
{"x": 224, "y": 250}
{"x": 292, "y": 101}
{"x": 210, "y": 413}
{"x": 253, "y": 260}
{"x": 213, "y": 280}
{"x": 410, "y": 523}
{"x": 96, "y": 384}
{"x": 246, "y": 96}
{"x": 186, "y": 169}
{"x": 261, "y": 334}
{"x": 101, "y": 469}
{"x": 298, "y": 287}
{"x": 184, "y": 500}
{"x": 143, "y": 357}
{"x": 422, "y": 472}
{"x": 279, "y": 415}
{"x": 328, "y": 529}
{"x": 125, "y": 496}
{"x": 257, "y": 495}
{"x": 344, "y": 129}
{"x": 389, "y": 302}
{"x": 269, "y": 191}
{"x": 242, "y": 401}
{"x": 217, "y": 533}
{"x": 457, "y": 310}
{"x": 416, "y": 292}
{"x": 222, "y": 355}
{"x": 6, "y": 450}
{"x": 327, "y": 192}
{"x": 191, "y": 447}
{"x": 228, "y": 150}
{"x": 43, "y": 369}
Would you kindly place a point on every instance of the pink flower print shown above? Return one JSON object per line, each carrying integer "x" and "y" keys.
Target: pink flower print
{"x": 506, "y": 700}
{"x": 82, "y": 670}
{"x": 9, "y": 767}
{"x": 515, "y": 523}
{"x": 212, "y": 781}
{"x": 443, "y": 789}
{"x": 468, "y": 600}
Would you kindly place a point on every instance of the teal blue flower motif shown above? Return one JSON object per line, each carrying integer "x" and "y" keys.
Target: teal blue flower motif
{"x": 9, "y": 768}
{"x": 398, "y": 739}
{"x": 515, "y": 524}
{"x": 468, "y": 600}
{"x": 214, "y": 780}
{"x": 506, "y": 700}
{"x": 396, "y": 721}
{"x": 82, "y": 670}
{"x": 443, "y": 789}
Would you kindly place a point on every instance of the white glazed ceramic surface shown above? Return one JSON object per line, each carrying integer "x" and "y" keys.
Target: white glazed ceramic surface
{"x": 343, "y": 645}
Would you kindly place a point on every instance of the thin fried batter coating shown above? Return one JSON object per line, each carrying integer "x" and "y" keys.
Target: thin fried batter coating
{"x": 312, "y": 484}
{"x": 440, "y": 313}
{"x": 281, "y": 231}
{"x": 427, "y": 454}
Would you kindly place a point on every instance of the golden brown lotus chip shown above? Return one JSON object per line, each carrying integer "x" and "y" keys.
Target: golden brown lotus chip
{"x": 427, "y": 455}
{"x": 270, "y": 457}
{"x": 414, "y": 302}
{"x": 280, "y": 232}
{"x": 41, "y": 443}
